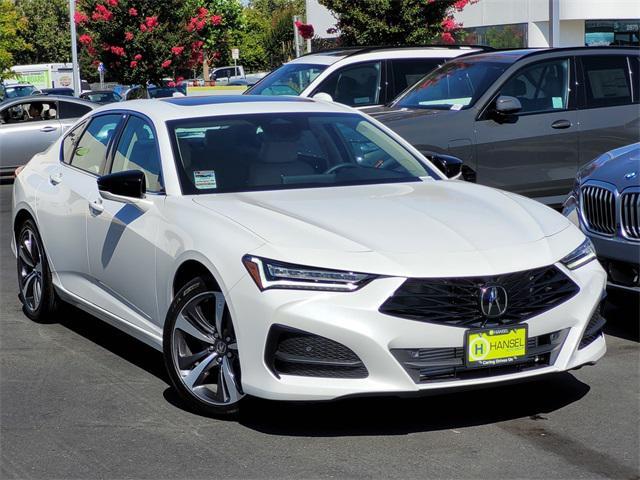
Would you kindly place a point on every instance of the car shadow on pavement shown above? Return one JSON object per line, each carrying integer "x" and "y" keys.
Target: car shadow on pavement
{"x": 400, "y": 416}
{"x": 622, "y": 312}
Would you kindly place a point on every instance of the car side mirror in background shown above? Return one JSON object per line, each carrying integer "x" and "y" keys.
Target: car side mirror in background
{"x": 449, "y": 165}
{"x": 125, "y": 187}
{"x": 505, "y": 108}
{"x": 325, "y": 97}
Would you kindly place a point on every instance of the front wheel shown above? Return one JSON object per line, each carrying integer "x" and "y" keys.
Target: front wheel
{"x": 200, "y": 350}
{"x": 36, "y": 290}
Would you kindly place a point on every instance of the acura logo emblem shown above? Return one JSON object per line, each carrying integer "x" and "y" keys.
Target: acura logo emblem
{"x": 493, "y": 301}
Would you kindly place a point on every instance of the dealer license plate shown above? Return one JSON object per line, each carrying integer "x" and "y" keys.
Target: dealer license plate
{"x": 495, "y": 346}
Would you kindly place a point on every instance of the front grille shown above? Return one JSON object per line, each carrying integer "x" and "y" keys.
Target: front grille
{"x": 593, "y": 330}
{"x": 630, "y": 214}
{"x": 599, "y": 209}
{"x": 294, "y": 352}
{"x": 447, "y": 364}
{"x": 456, "y": 301}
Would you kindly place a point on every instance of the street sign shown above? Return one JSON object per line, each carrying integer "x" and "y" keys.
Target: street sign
{"x": 101, "y": 70}
{"x": 101, "y": 67}
{"x": 235, "y": 53}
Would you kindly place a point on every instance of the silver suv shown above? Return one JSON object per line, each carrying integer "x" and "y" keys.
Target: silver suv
{"x": 524, "y": 120}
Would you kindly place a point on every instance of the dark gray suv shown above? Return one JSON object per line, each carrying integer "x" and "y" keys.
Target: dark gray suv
{"x": 524, "y": 120}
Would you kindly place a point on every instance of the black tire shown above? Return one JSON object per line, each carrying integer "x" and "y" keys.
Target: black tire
{"x": 47, "y": 303}
{"x": 201, "y": 397}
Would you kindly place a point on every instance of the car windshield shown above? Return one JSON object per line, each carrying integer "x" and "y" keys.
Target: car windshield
{"x": 289, "y": 79}
{"x": 454, "y": 86}
{"x": 287, "y": 150}
{"x": 19, "y": 91}
{"x": 102, "y": 97}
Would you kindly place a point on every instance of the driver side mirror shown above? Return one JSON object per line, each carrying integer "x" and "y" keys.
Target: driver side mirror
{"x": 449, "y": 165}
{"x": 125, "y": 187}
{"x": 325, "y": 97}
{"x": 505, "y": 109}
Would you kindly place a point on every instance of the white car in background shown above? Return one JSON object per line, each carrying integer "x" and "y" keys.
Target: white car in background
{"x": 298, "y": 250}
{"x": 360, "y": 77}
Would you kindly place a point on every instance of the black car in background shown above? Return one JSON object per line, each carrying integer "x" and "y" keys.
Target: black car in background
{"x": 102, "y": 97}
{"x": 524, "y": 120}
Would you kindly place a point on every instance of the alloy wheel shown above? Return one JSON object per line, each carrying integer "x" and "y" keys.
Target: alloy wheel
{"x": 205, "y": 352}
{"x": 30, "y": 269}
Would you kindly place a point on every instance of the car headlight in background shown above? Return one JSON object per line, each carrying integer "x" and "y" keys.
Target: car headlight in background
{"x": 274, "y": 274}
{"x": 580, "y": 256}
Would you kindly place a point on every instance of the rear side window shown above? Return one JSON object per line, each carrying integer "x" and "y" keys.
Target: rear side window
{"x": 355, "y": 85}
{"x": 542, "y": 87}
{"x": 408, "y": 71}
{"x": 606, "y": 81}
{"x": 72, "y": 110}
{"x": 91, "y": 151}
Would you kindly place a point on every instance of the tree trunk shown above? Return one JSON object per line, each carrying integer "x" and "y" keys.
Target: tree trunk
{"x": 205, "y": 68}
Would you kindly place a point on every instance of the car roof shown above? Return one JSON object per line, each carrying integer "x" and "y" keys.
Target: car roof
{"x": 174, "y": 108}
{"x": 331, "y": 56}
{"x": 46, "y": 98}
{"x": 513, "y": 55}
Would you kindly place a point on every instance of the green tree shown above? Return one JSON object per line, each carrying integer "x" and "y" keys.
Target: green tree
{"x": 11, "y": 24}
{"x": 251, "y": 40}
{"x": 47, "y": 31}
{"x": 214, "y": 23}
{"x": 138, "y": 41}
{"x": 267, "y": 7}
{"x": 395, "y": 22}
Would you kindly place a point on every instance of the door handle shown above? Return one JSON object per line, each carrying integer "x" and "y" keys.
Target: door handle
{"x": 561, "y": 124}
{"x": 48, "y": 128}
{"x": 96, "y": 207}
{"x": 55, "y": 178}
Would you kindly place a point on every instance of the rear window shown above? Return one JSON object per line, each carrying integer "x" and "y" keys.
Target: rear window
{"x": 606, "y": 80}
{"x": 72, "y": 110}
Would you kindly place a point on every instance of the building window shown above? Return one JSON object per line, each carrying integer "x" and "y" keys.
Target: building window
{"x": 612, "y": 32}
{"x": 497, "y": 36}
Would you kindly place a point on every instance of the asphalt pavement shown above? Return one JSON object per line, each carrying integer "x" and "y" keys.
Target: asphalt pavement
{"x": 80, "y": 400}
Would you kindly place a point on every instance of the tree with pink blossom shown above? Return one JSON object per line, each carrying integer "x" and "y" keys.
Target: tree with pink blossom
{"x": 401, "y": 22}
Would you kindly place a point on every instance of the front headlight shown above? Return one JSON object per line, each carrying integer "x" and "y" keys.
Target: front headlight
{"x": 580, "y": 256}
{"x": 274, "y": 274}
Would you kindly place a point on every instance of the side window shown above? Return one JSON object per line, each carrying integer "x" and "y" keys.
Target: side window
{"x": 542, "y": 87}
{"x": 606, "y": 80}
{"x": 70, "y": 141}
{"x": 72, "y": 110}
{"x": 355, "y": 85}
{"x": 407, "y": 71}
{"x": 90, "y": 153}
{"x": 30, "y": 112}
{"x": 137, "y": 150}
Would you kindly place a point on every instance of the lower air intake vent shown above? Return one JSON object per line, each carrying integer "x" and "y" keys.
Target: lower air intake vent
{"x": 294, "y": 352}
{"x": 593, "y": 330}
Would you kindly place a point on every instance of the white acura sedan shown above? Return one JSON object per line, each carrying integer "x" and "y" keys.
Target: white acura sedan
{"x": 296, "y": 250}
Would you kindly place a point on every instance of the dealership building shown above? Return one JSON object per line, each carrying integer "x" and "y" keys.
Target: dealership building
{"x": 533, "y": 23}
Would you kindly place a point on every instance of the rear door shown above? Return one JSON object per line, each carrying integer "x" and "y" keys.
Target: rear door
{"x": 22, "y": 136}
{"x": 533, "y": 152}
{"x": 608, "y": 108}
{"x": 357, "y": 85}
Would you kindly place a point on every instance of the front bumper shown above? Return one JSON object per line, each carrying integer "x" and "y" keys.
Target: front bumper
{"x": 353, "y": 320}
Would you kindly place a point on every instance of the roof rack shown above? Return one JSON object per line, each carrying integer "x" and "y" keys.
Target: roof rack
{"x": 355, "y": 50}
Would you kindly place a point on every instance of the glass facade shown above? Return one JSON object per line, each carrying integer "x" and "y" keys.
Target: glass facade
{"x": 612, "y": 32}
{"x": 497, "y": 36}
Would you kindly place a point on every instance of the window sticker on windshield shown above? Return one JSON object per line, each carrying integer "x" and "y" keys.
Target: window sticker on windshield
{"x": 456, "y": 106}
{"x": 205, "y": 179}
{"x": 557, "y": 102}
{"x": 360, "y": 100}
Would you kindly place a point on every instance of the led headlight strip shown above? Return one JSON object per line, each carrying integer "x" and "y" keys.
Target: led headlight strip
{"x": 274, "y": 274}
{"x": 580, "y": 256}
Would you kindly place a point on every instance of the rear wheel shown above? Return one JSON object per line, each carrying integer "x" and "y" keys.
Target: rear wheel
{"x": 34, "y": 277}
{"x": 200, "y": 350}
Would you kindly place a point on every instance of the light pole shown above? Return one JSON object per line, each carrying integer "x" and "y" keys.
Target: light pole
{"x": 77, "y": 88}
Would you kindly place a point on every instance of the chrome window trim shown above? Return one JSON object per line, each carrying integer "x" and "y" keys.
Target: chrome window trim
{"x": 617, "y": 196}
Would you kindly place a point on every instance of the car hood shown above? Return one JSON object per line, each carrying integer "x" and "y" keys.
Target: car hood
{"x": 617, "y": 167}
{"x": 399, "y": 228}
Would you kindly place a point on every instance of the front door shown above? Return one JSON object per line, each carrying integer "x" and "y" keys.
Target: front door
{"x": 26, "y": 129}
{"x": 533, "y": 152}
{"x": 121, "y": 236}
